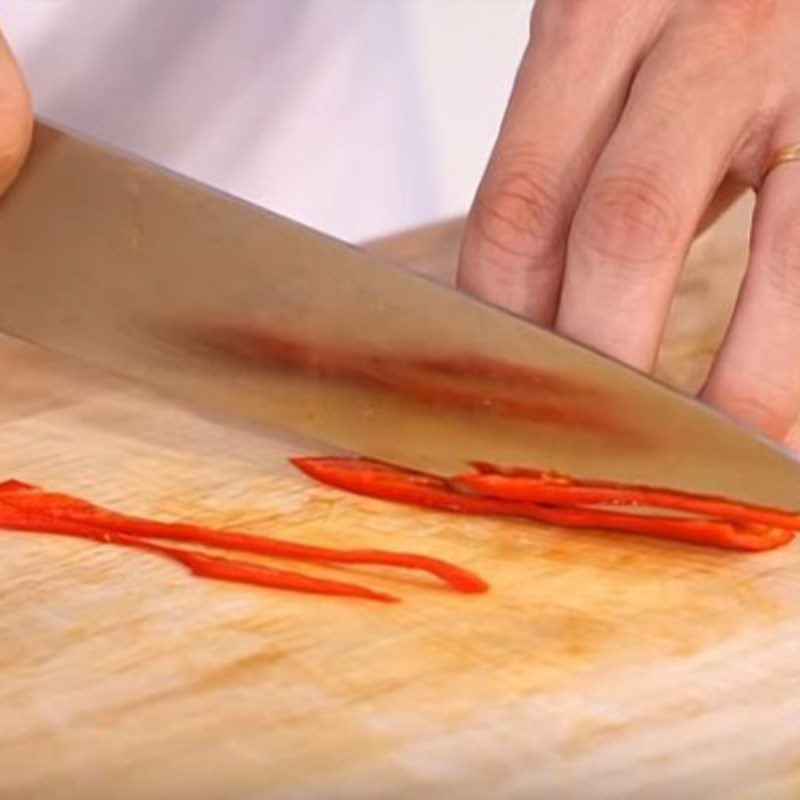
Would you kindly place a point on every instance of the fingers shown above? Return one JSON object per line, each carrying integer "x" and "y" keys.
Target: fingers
{"x": 567, "y": 98}
{"x": 756, "y": 375}
{"x": 16, "y": 118}
{"x": 644, "y": 202}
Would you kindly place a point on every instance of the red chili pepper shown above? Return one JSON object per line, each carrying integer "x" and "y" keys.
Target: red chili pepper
{"x": 555, "y": 489}
{"x": 200, "y": 564}
{"x": 63, "y": 508}
{"x": 429, "y": 491}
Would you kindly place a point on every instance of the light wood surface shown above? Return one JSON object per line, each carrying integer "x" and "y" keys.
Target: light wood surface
{"x": 598, "y": 667}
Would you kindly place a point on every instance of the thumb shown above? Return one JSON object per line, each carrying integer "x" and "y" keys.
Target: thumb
{"x": 16, "y": 117}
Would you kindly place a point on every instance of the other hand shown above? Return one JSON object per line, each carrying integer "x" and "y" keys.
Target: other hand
{"x": 626, "y": 119}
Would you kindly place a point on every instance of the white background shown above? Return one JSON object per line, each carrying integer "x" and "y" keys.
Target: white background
{"x": 356, "y": 116}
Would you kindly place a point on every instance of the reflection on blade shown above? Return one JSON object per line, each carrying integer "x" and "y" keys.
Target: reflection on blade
{"x": 265, "y": 322}
{"x": 458, "y": 381}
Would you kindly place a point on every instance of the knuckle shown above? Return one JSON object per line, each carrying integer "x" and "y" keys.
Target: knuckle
{"x": 752, "y": 403}
{"x": 764, "y": 398}
{"x": 517, "y": 213}
{"x": 630, "y": 217}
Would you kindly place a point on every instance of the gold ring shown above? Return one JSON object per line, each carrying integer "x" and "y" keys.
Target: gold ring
{"x": 783, "y": 156}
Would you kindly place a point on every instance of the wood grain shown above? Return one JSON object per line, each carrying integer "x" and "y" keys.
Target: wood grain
{"x": 599, "y": 666}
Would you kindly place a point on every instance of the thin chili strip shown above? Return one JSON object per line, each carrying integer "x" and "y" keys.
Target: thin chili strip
{"x": 404, "y": 486}
{"x": 547, "y": 487}
{"x": 200, "y": 564}
{"x": 63, "y": 507}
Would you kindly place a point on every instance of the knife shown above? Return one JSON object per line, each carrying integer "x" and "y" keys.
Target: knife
{"x": 264, "y": 322}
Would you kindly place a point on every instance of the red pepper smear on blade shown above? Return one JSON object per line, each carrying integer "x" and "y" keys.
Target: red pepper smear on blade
{"x": 58, "y": 513}
{"x": 379, "y": 480}
{"x": 459, "y": 381}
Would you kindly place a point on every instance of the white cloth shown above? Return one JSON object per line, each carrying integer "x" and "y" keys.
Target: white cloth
{"x": 308, "y": 107}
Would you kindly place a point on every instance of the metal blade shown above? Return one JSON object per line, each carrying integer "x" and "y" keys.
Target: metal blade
{"x": 242, "y": 312}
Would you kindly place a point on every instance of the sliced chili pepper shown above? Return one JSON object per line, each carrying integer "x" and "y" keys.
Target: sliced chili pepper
{"x": 200, "y": 564}
{"x": 59, "y": 506}
{"x": 555, "y": 489}
{"x": 402, "y": 486}
{"x": 13, "y": 486}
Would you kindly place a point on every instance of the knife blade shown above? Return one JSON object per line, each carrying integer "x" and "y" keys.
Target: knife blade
{"x": 245, "y": 314}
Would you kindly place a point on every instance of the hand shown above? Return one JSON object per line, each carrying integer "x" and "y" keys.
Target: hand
{"x": 625, "y": 120}
{"x": 16, "y": 117}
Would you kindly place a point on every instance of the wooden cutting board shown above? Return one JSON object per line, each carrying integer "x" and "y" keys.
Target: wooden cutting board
{"x": 599, "y": 666}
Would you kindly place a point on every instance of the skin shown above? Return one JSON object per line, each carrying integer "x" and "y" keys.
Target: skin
{"x": 630, "y": 126}
{"x": 16, "y": 117}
